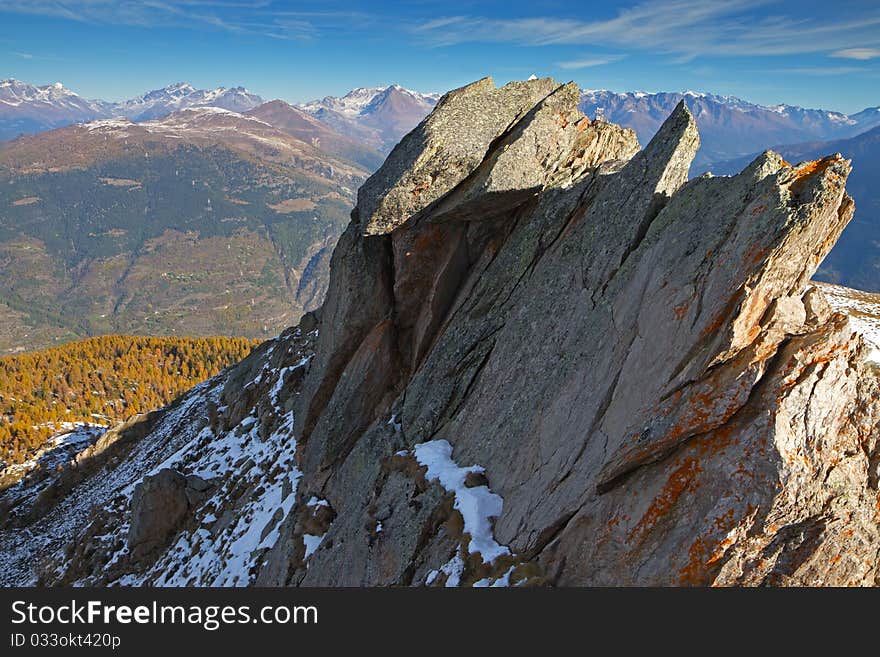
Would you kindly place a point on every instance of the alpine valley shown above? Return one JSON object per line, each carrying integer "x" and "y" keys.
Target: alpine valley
{"x": 182, "y": 211}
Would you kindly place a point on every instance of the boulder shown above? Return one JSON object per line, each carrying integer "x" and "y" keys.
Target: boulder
{"x": 159, "y": 505}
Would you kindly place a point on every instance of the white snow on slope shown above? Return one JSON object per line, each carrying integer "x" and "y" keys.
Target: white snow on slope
{"x": 22, "y": 549}
{"x": 312, "y": 542}
{"x": 73, "y": 437}
{"x": 208, "y": 557}
{"x": 252, "y": 479}
{"x": 477, "y": 505}
{"x": 256, "y": 480}
{"x": 863, "y": 309}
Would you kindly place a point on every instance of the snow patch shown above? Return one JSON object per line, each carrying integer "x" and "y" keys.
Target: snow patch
{"x": 863, "y": 310}
{"x": 312, "y": 542}
{"x": 477, "y": 505}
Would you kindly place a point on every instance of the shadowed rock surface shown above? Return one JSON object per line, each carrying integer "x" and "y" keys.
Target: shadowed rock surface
{"x": 546, "y": 357}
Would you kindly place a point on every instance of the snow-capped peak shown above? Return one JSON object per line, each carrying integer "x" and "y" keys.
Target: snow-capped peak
{"x": 181, "y": 95}
{"x": 358, "y": 101}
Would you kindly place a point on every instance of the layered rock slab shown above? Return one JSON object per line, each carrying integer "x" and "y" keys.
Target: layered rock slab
{"x": 613, "y": 344}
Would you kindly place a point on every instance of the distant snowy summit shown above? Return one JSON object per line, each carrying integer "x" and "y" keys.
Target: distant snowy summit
{"x": 182, "y": 95}
{"x": 376, "y": 116}
{"x": 729, "y": 126}
{"x": 367, "y": 100}
{"x": 52, "y": 102}
{"x": 26, "y": 109}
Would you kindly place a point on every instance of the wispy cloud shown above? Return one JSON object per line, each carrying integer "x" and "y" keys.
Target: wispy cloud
{"x": 589, "y": 62}
{"x": 260, "y": 17}
{"x": 33, "y": 56}
{"x": 819, "y": 70}
{"x": 681, "y": 28}
{"x": 857, "y": 53}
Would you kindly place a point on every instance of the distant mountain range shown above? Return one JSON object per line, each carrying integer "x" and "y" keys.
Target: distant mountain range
{"x": 729, "y": 127}
{"x": 159, "y": 103}
{"x": 26, "y": 109}
{"x": 373, "y": 118}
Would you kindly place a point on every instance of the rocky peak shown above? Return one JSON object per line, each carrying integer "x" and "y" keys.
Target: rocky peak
{"x": 544, "y": 357}
{"x": 635, "y": 336}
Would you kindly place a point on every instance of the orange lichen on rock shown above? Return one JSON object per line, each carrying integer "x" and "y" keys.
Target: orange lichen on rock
{"x": 704, "y": 554}
{"x": 808, "y": 170}
{"x": 682, "y": 479}
{"x": 693, "y": 573}
{"x": 758, "y": 209}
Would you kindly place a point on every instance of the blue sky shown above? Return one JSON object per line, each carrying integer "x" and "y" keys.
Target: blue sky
{"x": 810, "y": 53}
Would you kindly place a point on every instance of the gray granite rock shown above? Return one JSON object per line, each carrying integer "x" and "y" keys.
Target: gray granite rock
{"x": 635, "y": 359}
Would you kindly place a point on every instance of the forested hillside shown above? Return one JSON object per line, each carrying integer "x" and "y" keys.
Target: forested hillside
{"x": 204, "y": 223}
{"x": 100, "y": 380}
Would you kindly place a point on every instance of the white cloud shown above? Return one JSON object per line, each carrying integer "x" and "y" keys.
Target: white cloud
{"x": 857, "y": 53}
{"x": 588, "y": 62}
{"x": 819, "y": 70}
{"x": 238, "y": 16}
{"x": 682, "y": 28}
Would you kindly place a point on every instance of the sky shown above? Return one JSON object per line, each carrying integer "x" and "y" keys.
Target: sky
{"x": 809, "y": 53}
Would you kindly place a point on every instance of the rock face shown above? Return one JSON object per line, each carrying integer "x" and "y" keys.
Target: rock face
{"x": 635, "y": 360}
{"x": 546, "y": 357}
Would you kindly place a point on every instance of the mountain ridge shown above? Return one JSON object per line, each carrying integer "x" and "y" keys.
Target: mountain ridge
{"x": 26, "y": 108}
{"x": 855, "y": 261}
{"x": 729, "y": 125}
{"x": 377, "y": 116}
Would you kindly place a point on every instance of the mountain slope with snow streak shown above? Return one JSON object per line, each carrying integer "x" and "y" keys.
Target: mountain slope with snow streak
{"x": 247, "y": 464}
{"x": 375, "y": 116}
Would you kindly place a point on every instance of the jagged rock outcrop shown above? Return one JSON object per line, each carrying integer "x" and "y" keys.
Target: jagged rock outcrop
{"x": 545, "y": 357}
{"x": 632, "y": 358}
